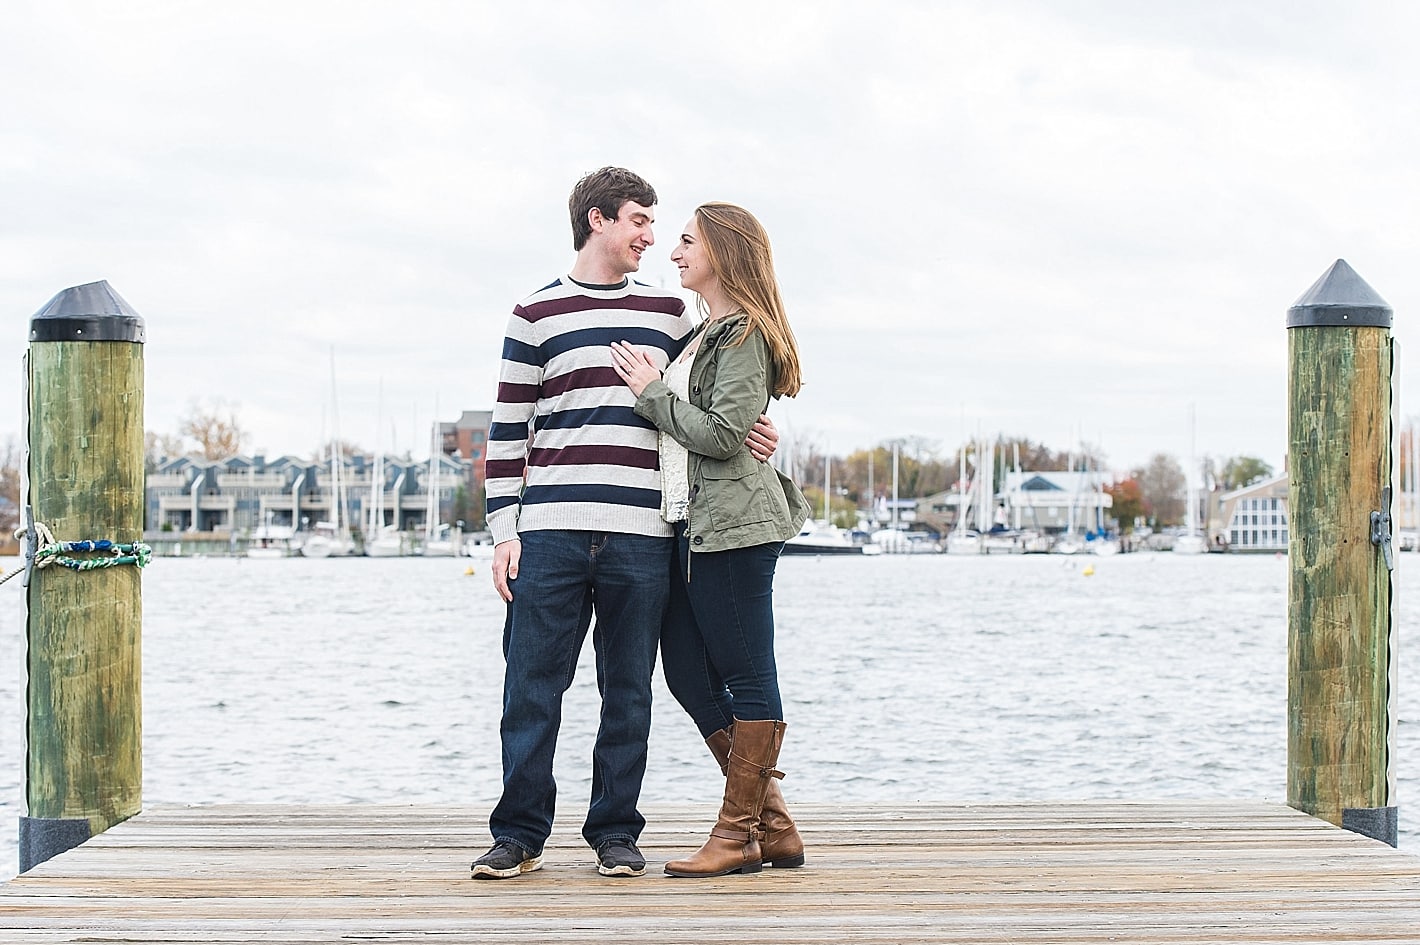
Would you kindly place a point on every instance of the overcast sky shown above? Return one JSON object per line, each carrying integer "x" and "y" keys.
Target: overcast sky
{"x": 1034, "y": 218}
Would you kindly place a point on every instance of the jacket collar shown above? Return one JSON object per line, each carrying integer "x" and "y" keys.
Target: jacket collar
{"x": 714, "y": 327}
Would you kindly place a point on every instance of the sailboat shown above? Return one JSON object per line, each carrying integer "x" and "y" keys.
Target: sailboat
{"x": 1098, "y": 540}
{"x": 381, "y": 540}
{"x": 896, "y": 540}
{"x": 964, "y": 540}
{"x": 269, "y": 540}
{"x": 328, "y": 538}
{"x": 438, "y": 540}
{"x": 1192, "y": 543}
{"x": 822, "y": 537}
{"x": 1069, "y": 541}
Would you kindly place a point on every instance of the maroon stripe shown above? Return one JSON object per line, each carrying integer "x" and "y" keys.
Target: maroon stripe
{"x": 503, "y": 469}
{"x": 628, "y": 456}
{"x": 666, "y": 305}
{"x": 509, "y": 393}
{"x": 581, "y": 379}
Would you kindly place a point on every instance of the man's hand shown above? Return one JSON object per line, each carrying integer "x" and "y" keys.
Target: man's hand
{"x": 763, "y": 439}
{"x": 505, "y": 566}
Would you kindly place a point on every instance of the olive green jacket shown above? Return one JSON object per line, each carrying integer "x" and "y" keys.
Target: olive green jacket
{"x": 735, "y": 500}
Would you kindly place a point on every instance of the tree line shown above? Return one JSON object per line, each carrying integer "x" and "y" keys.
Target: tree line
{"x": 1155, "y": 493}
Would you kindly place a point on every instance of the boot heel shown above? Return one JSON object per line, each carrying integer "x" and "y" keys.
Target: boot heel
{"x": 787, "y": 862}
{"x": 752, "y": 867}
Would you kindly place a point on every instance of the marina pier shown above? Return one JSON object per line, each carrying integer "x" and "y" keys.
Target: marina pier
{"x": 1100, "y": 871}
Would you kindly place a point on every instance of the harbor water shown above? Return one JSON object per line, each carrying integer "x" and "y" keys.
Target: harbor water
{"x": 921, "y": 677}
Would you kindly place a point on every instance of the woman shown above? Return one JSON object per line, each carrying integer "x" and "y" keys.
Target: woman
{"x": 732, "y": 514}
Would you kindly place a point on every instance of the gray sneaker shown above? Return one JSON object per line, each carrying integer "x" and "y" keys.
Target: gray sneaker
{"x": 504, "y": 860}
{"x": 620, "y": 858}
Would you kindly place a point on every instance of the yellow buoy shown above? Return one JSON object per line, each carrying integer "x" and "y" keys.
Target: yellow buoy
{"x": 1089, "y": 569}
{"x": 468, "y": 570}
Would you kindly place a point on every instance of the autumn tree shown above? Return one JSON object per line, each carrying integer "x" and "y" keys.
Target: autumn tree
{"x": 1129, "y": 503}
{"x": 1164, "y": 486}
{"x": 1240, "y": 471}
{"x": 215, "y": 429}
{"x": 920, "y": 470}
{"x": 158, "y": 447}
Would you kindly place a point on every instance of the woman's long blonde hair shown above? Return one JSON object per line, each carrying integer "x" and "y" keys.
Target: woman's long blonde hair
{"x": 742, "y": 260}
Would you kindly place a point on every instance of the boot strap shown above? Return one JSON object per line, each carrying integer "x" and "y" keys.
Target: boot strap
{"x": 740, "y": 836}
{"x": 760, "y": 770}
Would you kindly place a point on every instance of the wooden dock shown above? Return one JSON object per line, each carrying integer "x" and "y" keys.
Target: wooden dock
{"x": 1085, "y": 872}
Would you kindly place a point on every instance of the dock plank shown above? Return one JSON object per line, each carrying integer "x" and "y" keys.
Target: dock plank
{"x": 1174, "y": 872}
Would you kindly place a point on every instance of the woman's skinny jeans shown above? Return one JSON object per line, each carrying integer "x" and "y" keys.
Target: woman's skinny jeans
{"x": 717, "y": 644}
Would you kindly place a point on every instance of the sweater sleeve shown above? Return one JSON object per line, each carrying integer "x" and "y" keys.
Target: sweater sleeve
{"x": 510, "y": 432}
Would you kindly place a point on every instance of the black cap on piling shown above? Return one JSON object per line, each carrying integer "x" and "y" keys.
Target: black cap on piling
{"x": 92, "y": 312}
{"x": 1340, "y": 297}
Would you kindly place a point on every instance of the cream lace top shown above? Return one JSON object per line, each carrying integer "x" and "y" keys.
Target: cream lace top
{"x": 675, "y": 472}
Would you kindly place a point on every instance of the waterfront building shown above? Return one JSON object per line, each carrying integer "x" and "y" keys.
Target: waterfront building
{"x": 1253, "y": 518}
{"x": 234, "y": 496}
{"x": 467, "y": 438}
{"x": 1057, "y": 502}
{"x": 1050, "y": 503}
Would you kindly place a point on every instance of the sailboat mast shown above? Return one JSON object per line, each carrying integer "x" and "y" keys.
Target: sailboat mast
{"x": 1193, "y": 470}
{"x": 1015, "y": 506}
{"x": 961, "y": 492}
{"x": 894, "y": 485}
{"x": 377, "y": 491}
{"x": 336, "y": 485}
{"x": 872, "y": 503}
{"x": 431, "y": 513}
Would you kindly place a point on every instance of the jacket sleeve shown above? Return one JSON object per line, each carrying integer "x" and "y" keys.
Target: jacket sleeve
{"x": 738, "y": 395}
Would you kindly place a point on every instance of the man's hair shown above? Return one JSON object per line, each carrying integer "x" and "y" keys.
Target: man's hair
{"x": 606, "y": 189}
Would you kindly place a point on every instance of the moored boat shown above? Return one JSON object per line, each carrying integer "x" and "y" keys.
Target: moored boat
{"x": 821, "y": 538}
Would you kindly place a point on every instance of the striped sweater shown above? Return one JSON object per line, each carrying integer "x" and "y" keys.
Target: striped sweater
{"x": 565, "y": 449}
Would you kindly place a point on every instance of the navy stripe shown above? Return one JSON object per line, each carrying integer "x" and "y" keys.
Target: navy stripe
{"x": 587, "y": 416}
{"x": 601, "y": 494}
{"x": 522, "y": 353}
{"x": 508, "y": 431}
{"x": 602, "y": 337}
{"x": 501, "y": 502}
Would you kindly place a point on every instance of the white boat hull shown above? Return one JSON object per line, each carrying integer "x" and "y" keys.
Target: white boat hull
{"x": 1189, "y": 545}
{"x": 963, "y": 544}
{"x": 820, "y": 538}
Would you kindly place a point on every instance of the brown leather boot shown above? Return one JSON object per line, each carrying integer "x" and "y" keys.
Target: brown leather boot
{"x": 780, "y": 846}
{"x": 733, "y": 845}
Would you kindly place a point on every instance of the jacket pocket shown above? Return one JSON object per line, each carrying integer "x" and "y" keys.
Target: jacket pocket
{"x": 734, "y": 493}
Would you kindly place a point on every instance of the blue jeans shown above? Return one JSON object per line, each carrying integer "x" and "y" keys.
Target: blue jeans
{"x": 717, "y": 646}
{"x": 564, "y": 578}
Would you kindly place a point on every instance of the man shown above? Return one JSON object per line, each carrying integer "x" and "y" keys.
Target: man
{"x": 574, "y": 505}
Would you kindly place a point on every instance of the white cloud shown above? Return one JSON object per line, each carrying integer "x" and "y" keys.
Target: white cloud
{"x": 1044, "y": 216}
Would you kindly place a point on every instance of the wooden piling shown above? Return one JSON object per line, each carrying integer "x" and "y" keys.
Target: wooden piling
{"x": 1339, "y": 716}
{"x": 83, "y": 763}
